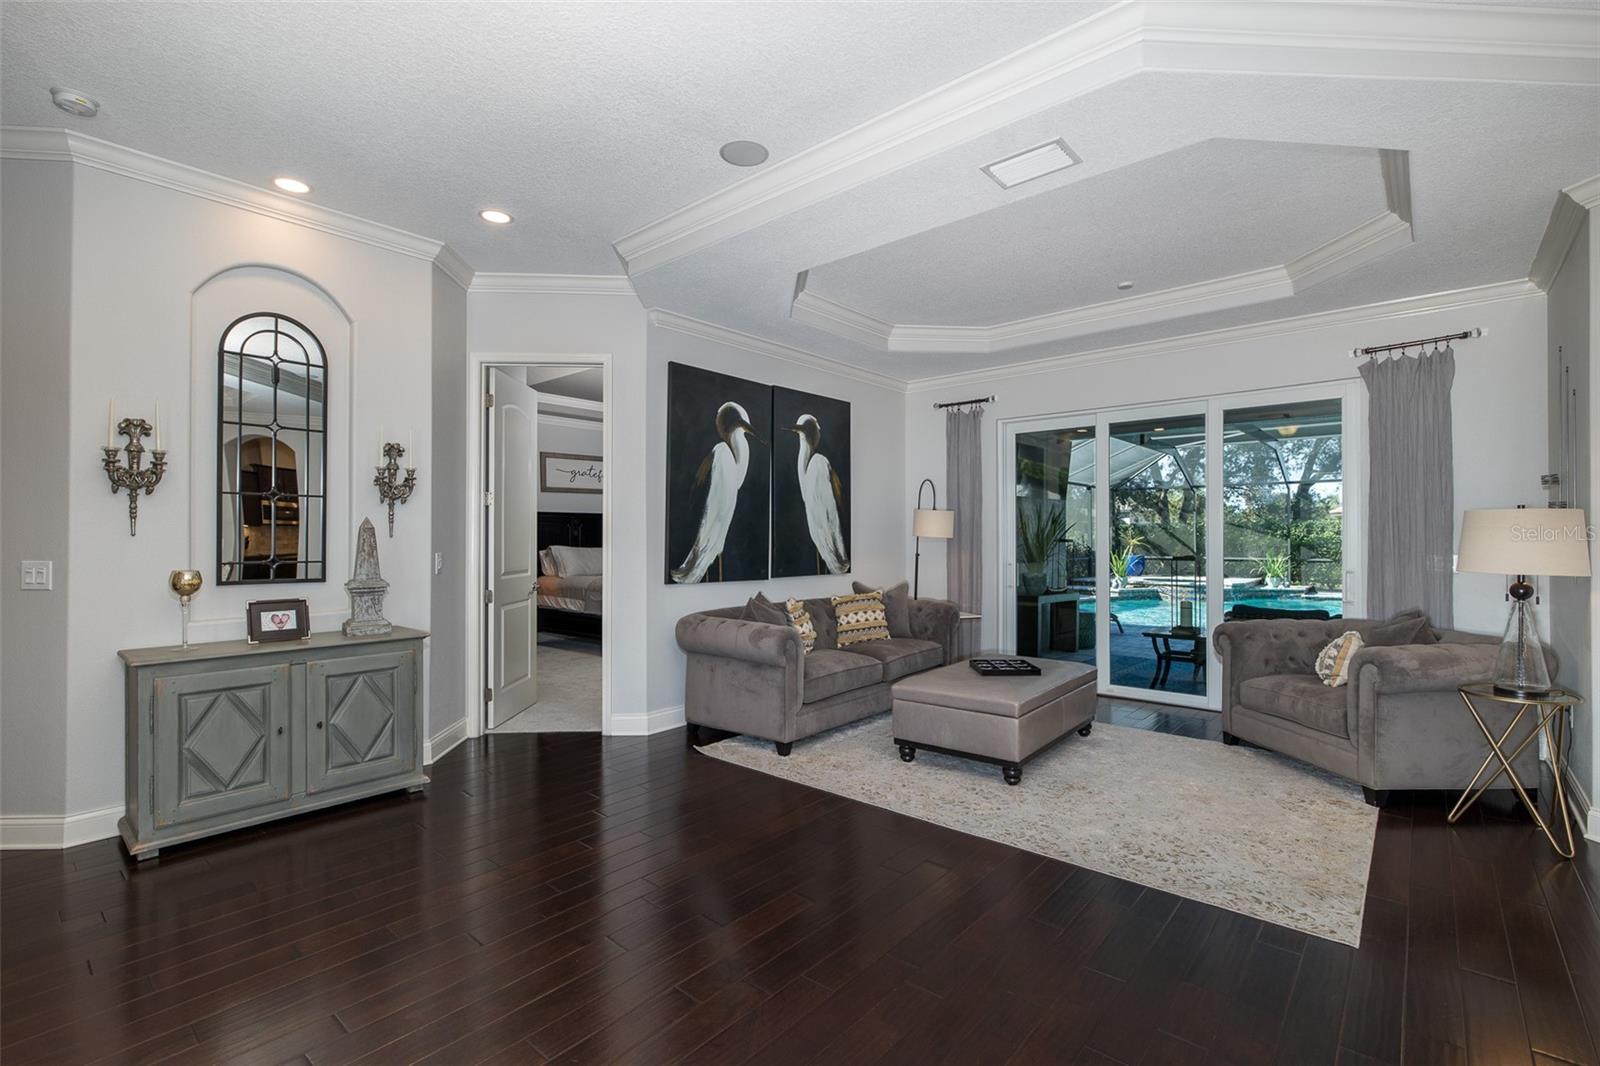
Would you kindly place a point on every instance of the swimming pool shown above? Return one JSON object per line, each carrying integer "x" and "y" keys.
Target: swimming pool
{"x": 1145, "y": 608}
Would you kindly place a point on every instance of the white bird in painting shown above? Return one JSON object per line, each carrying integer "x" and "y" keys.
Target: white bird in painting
{"x": 722, "y": 473}
{"x": 823, "y": 495}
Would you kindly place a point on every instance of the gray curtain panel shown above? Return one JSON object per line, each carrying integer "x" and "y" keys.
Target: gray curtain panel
{"x": 963, "y": 459}
{"x": 1411, "y": 495}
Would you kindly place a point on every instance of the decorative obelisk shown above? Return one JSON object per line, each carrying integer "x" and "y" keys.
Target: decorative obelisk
{"x": 366, "y": 588}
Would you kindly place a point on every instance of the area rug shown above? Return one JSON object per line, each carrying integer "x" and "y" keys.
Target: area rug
{"x": 1239, "y": 828}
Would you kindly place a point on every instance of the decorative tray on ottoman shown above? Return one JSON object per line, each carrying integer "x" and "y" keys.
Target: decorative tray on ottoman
{"x": 1004, "y": 667}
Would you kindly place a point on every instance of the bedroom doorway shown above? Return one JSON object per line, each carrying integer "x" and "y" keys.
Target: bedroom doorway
{"x": 541, "y": 547}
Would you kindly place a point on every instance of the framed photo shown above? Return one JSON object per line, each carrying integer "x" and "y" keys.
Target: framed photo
{"x": 566, "y": 472}
{"x": 273, "y": 620}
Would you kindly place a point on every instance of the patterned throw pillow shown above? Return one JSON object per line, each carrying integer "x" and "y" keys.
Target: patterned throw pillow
{"x": 1333, "y": 662}
{"x": 861, "y": 617}
{"x": 800, "y": 618}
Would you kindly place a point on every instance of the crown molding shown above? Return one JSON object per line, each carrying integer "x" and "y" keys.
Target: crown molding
{"x": 1391, "y": 309}
{"x": 734, "y": 338}
{"x": 1572, "y": 206}
{"x": 456, "y": 268}
{"x": 570, "y": 421}
{"x": 1327, "y": 37}
{"x": 554, "y": 284}
{"x": 60, "y": 145}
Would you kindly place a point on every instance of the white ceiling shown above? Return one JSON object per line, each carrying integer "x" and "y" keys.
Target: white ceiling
{"x": 1265, "y": 204}
{"x": 584, "y": 120}
{"x": 596, "y": 123}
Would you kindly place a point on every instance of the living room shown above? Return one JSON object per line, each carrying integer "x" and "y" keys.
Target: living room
{"x": 940, "y": 333}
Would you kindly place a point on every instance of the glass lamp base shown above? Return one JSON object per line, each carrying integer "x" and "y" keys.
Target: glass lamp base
{"x": 1520, "y": 668}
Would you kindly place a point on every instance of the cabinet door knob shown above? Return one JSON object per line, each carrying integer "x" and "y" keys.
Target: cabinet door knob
{"x": 280, "y": 730}
{"x": 319, "y": 725}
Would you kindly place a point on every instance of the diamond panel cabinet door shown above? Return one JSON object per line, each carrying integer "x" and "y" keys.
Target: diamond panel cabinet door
{"x": 360, "y": 724}
{"x": 222, "y": 743}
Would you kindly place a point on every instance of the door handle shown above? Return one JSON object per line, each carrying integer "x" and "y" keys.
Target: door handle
{"x": 319, "y": 725}
{"x": 280, "y": 730}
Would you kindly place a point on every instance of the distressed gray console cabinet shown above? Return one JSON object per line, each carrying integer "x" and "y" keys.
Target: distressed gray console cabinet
{"x": 231, "y": 734}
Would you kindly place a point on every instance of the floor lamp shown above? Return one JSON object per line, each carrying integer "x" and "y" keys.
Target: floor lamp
{"x": 1526, "y": 542}
{"x": 931, "y": 523}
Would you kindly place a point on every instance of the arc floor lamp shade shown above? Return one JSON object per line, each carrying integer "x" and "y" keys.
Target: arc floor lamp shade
{"x": 1524, "y": 542}
{"x": 935, "y": 525}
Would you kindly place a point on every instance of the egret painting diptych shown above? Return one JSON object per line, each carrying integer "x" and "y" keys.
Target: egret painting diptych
{"x": 810, "y": 484}
{"x": 758, "y": 480}
{"x": 719, "y": 475}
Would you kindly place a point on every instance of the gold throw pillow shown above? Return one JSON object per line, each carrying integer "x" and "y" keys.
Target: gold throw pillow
{"x": 1333, "y": 662}
{"x": 800, "y": 618}
{"x": 862, "y": 617}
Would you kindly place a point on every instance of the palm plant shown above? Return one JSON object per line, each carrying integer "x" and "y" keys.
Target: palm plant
{"x": 1275, "y": 568}
{"x": 1041, "y": 530}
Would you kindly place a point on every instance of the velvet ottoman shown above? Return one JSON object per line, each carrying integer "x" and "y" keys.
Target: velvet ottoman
{"x": 1002, "y": 720}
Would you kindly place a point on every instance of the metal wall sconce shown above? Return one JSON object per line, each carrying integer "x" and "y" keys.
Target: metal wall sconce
{"x": 133, "y": 475}
{"x": 392, "y": 488}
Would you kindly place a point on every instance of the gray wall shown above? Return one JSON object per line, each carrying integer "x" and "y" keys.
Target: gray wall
{"x": 559, "y": 435}
{"x": 1572, "y": 310}
{"x": 447, "y": 590}
{"x": 36, "y": 261}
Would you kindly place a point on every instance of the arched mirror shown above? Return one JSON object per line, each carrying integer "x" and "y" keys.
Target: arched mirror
{"x": 272, "y": 379}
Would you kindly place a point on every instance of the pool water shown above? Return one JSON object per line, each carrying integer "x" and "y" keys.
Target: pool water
{"x": 1153, "y": 612}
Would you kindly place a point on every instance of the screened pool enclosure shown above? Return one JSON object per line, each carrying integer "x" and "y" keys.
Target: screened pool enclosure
{"x": 1113, "y": 559}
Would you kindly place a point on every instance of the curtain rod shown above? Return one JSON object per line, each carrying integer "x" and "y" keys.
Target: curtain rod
{"x": 1357, "y": 353}
{"x": 964, "y": 403}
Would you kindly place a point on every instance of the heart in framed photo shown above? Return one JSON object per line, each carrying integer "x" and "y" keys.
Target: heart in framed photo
{"x": 269, "y": 620}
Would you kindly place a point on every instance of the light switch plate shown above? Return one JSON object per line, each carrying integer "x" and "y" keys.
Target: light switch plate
{"x": 38, "y": 575}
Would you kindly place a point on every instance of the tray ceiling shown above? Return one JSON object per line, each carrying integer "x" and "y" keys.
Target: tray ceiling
{"x": 1265, "y": 204}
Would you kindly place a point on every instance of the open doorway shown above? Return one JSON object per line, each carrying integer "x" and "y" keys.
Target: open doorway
{"x": 543, "y": 557}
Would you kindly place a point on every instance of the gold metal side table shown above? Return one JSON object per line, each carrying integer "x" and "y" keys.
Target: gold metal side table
{"x": 1551, "y": 718}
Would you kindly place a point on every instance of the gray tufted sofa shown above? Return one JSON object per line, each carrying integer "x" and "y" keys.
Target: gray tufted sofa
{"x": 756, "y": 677}
{"x": 1398, "y": 724}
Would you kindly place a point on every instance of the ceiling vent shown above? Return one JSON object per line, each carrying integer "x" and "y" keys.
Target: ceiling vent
{"x": 1048, "y": 158}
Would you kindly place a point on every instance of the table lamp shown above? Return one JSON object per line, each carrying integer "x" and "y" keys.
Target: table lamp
{"x": 1524, "y": 542}
{"x": 931, "y": 523}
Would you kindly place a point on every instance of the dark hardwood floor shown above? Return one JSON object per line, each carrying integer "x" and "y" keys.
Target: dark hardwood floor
{"x": 564, "y": 897}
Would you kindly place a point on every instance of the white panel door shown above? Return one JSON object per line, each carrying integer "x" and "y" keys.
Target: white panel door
{"x": 513, "y": 550}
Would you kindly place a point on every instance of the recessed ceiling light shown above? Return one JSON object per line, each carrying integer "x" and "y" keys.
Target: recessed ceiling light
{"x": 1159, "y": 429}
{"x": 744, "y": 153}
{"x": 1124, "y": 286}
{"x": 294, "y": 185}
{"x": 1013, "y": 170}
{"x": 499, "y": 218}
{"x": 75, "y": 103}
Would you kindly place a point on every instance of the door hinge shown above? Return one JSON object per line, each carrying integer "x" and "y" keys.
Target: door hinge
{"x": 488, "y": 497}
{"x": 488, "y": 695}
{"x": 488, "y": 596}
{"x": 488, "y": 399}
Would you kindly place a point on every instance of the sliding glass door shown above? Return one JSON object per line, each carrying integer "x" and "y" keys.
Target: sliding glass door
{"x": 1131, "y": 533}
{"x": 1156, "y": 552}
{"x": 1053, "y": 607}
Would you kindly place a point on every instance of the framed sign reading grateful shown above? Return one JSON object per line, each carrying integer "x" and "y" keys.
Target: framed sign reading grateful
{"x": 564, "y": 472}
{"x": 272, "y": 620}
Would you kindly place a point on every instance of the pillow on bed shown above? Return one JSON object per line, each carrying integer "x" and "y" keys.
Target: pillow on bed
{"x": 547, "y": 564}
{"x": 576, "y": 562}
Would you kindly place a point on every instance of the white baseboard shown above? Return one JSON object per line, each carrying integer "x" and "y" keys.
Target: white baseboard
{"x": 52, "y": 832}
{"x": 640, "y": 725}
{"x": 1583, "y": 808}
{"x": 438, "y": 746}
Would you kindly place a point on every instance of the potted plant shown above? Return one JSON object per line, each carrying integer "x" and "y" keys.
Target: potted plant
{"x": 1275, "y": 568}
{"x": 1041, "y": 528}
